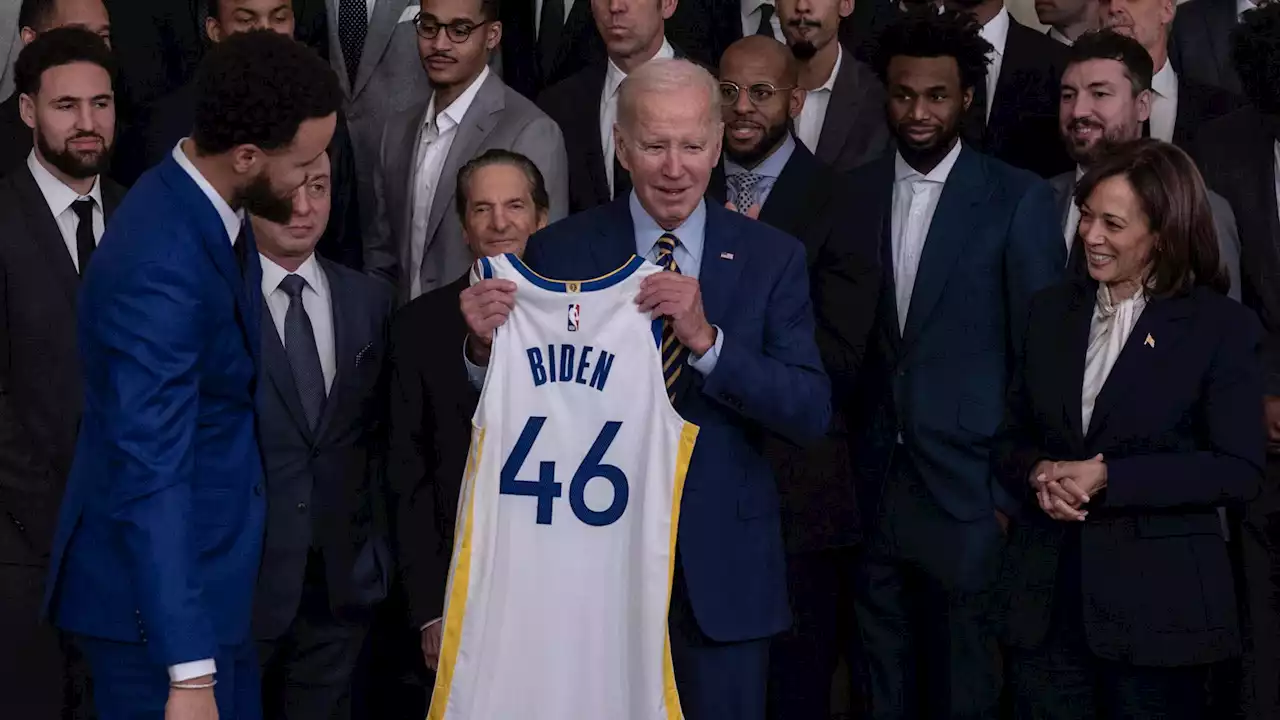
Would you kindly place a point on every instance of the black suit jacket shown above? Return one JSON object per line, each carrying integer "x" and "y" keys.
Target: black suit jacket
{"x": 1022, "y": 128}
{"x": 40, "y": 372}
{"x": 15, "y": 137}
{"x": 580, "y": 45}
{"x": 432, "y": 401}
{"x": 172, "y": 119}
{"x": 1199, "y": 104}
{"x": 854, "y": 132}
{"x": 1200, "y": 45}
{"x": 321, "y": 488}
{"x": 1178, "y": 422}
{"x": 811, "y": 202}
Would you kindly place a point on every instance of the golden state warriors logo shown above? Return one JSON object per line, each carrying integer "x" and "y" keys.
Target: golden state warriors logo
{"x": 575, "y": 314}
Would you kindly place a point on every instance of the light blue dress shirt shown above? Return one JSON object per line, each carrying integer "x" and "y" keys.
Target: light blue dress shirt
{"x": 768, "y": 170}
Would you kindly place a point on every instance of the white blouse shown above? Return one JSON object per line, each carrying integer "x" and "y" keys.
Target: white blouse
{"x": 1108, "y": 331}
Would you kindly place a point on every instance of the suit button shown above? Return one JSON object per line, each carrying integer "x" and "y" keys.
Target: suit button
{"x": 315, "y": 454}
{"x": 302, "y": 507}
{"x": 257, "y": 489}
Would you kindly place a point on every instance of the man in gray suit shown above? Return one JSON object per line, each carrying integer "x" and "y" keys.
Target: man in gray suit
{"x": 415, "y": 241}
{"x": 374, "y": 51}
{"x": 842, "y": 121}
{"x": 9, "y": 45}
{"x": 1106, "y": 98}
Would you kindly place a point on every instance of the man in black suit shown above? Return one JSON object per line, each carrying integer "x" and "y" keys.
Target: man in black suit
{"x": 546, "y": 41}
{"x": 502, "y": 200}
{"x": 1068, "y": 19}
{"x": 1180, "y": 106}
{"x": 585, "y": 105}
{"x": 1200, "y": 48}
{"x": 769, "y": 175}
{"x": 1014, "y": 114}
{"x": 35, "y": 17}
{"x": 53, "y": 208}
{"x": 320, "y": 422}
{"x": 842, "y": 121}
{"x": 1237, "y": 154}
{"x": 172, "y": 118}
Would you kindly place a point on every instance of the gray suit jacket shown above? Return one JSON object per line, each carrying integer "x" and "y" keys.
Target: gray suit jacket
{"x": 10, "y": 44}
{"x": 499, "y": 117}
{"x": 855, "y": 131}
{"x": 1224, "y": 220}
{"x": 390, "y": 79}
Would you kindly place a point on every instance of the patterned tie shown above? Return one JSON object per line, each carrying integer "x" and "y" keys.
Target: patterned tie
{"x": 745, "y": 194}
{"x": 674, "y": 354}
{"x": 300, "y": 347}
{"x": 84, "y": 233}
{"x": 766, "y": 15}
{"x": 353, "y": 25}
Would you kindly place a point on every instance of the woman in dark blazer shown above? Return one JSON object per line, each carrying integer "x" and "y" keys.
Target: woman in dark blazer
{"x": 1135, "y": 415}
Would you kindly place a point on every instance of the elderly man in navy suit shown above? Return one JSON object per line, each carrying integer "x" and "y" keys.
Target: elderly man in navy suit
{"x": 745, "y": 365}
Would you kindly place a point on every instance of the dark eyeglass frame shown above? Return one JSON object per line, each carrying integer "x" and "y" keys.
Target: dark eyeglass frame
{"x": 767, "y": 89}
{"x": 457, "y": 32}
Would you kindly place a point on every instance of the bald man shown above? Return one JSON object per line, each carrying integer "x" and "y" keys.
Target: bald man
{"x": 767, "y": 174}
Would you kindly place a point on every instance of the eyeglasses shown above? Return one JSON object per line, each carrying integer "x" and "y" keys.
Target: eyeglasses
{"x": 457, "y": 32}
{"x": 758, "y": 94}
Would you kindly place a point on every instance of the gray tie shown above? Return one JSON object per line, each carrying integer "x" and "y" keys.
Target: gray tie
{"x": 300, "y": 346}
{"x": 745, "y": 195}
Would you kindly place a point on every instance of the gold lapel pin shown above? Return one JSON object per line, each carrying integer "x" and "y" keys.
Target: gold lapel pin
{"x": 1150, "y": 341}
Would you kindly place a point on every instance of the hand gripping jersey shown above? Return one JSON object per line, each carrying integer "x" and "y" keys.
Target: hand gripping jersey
{"x": 565, "y": 542}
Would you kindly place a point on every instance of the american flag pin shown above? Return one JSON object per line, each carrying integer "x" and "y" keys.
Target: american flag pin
{"x": 1150, "y": 341}
{"x": 726, "y": 256}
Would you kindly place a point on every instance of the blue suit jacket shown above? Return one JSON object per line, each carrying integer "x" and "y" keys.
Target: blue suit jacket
{"x": 995, "y": 240}
{"x": 160, "y": 531}
{"x": 769, "y": 379}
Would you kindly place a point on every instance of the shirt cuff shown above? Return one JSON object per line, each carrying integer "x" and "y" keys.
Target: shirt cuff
{"x": 182, "y": 672}
{"x": 706, "y": 364}
{"x": 475, "y": 373}
{"x": 433, "y": 622}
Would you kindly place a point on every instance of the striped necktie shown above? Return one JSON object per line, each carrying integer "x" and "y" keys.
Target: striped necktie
{"x": 674, "y": 354}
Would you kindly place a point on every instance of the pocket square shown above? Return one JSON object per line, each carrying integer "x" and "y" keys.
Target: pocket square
{"x": 363, "y": 354}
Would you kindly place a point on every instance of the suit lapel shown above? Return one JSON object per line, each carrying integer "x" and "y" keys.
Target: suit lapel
{"x": 791, "y": 200}
{"x": 949, "y": 231}
{"x": 589, "y": 126}
{"x": 275, "y": 364}
{"x": 579, "y": 17}
{"x": 345, "y": 338}
{"x": 45, "y": 233}
{"x": 1073, "y": 344}
{"x": 381, "y": 27}
{"x": 719, "y": 273}
{"x": 842, "y": 107}
{"x": 617, "y": 237}
{"x": 1222, "y": 20}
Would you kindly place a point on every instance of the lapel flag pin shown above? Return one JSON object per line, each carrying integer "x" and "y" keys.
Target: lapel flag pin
{"x": 726, "y": 256}
{"x": 1150, "y": 341}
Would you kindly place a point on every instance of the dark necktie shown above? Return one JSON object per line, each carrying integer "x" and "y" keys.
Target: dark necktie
{"x": 241, "y": 250}
{"x": 353, "y": 25}
{"x": 300, "y": 346}
{"x": 550, "y": 27}
{"x": 975, "y": 120}
{"x": 85, "y": 243}
{"x": 674, "y": 354}
{"x": 766, "y": 15}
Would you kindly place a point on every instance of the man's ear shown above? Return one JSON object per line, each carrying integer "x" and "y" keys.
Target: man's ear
{"x": 27, "y": 109}
{"x": 245, "y": 158}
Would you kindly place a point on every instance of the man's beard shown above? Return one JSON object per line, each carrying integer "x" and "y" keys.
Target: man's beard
{"x": 73, "y": 163}
{"x": 1087, "y": 155}
{"x": 804, "y": 50}
{"x": 932, "y": 154}
{"x": 750, "y": 157}
{"x": 257, "y": 198}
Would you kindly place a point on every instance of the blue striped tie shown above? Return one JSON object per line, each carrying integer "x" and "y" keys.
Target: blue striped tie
{"x": 674, "y": 353}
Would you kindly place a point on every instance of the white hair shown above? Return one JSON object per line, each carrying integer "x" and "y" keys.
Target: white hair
{"x": 665, "y": 76}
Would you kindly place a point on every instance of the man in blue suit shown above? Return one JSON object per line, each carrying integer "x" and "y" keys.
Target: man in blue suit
{"x": 160, "y": 531}
{"x": 965, "y": 241}
{"x": 743, "y": 364}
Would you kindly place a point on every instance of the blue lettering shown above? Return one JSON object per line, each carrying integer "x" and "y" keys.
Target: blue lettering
{"x": 601, "y": 373}
{"x": 566, "y": 363}
{"x": 583, "y": 364}
{"x": 551, "y": 363}
{"x": 535, "y": 366}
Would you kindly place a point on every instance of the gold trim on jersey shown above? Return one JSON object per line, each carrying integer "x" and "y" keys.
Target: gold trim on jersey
{"x": 688, "y": 438}
{"x": 573, "y": 286}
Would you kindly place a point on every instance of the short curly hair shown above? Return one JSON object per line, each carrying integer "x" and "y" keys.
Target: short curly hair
{"x": 1255, "y": 53}
{"x": 257, "y": 88}
{"x": 926, "y": 33}
{"x": 58, "y": 47}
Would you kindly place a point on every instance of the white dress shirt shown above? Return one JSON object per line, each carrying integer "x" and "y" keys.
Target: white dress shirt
{"x": 613, "y": 78}
{"x": 1073, "y": 216}
{"x": 434, "y": 141}
{"x": 368, "y": 6}
{"x": 1164, "y": 104}
{"x": 316, "y": 300}
{"x": 60, "y": 197}
{"x": 1244, "y": 6}
{"x": 996, "y": 32}
{"x": 1056, "y": 35}
{"x": 231, "y": 221}
{"x": 915, "y": 198}
{"x": 1109, "y": 330}
{"x": 750, "y": 10}
{"x": 537, "y": 15}
{"x": 814, "y": 112}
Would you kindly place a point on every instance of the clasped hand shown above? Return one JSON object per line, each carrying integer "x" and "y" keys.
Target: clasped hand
{"x": 1064, "y": 488}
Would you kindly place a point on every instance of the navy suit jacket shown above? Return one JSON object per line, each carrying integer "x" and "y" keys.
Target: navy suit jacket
{"x": 160, "y": 530}
{"x": 769, "y": 379}
{"x": 994, "y": 241}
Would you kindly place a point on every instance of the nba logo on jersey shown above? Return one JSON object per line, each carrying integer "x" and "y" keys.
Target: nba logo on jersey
{"x": 575, "y": 313}
{"x": 564, "y": 547}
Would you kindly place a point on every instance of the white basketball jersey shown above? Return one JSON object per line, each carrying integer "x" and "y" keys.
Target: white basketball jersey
{"x": 565, "y": 541}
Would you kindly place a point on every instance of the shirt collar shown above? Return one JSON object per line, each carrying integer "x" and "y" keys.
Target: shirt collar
{"x": 1056, "y": 35}
{"x": 273, "y": 274}
{"x": 452, "y": 116}
{"x": 231, "y": 219}
{"x": 56, "y": 193}
{"x": 750, "y": 6}
{"x": 903, "y": 171}
{"x": 614, "y": 75}
{"x": 1165, "y": 82}
{"x": 830, "y": 84}
{"x": 996, "y": 31}
{"x": 1244, "y": 6}
{"x": 1079, "y": 172}
{"x": 648, "y": 230}
{"x": 770, "y": 167}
